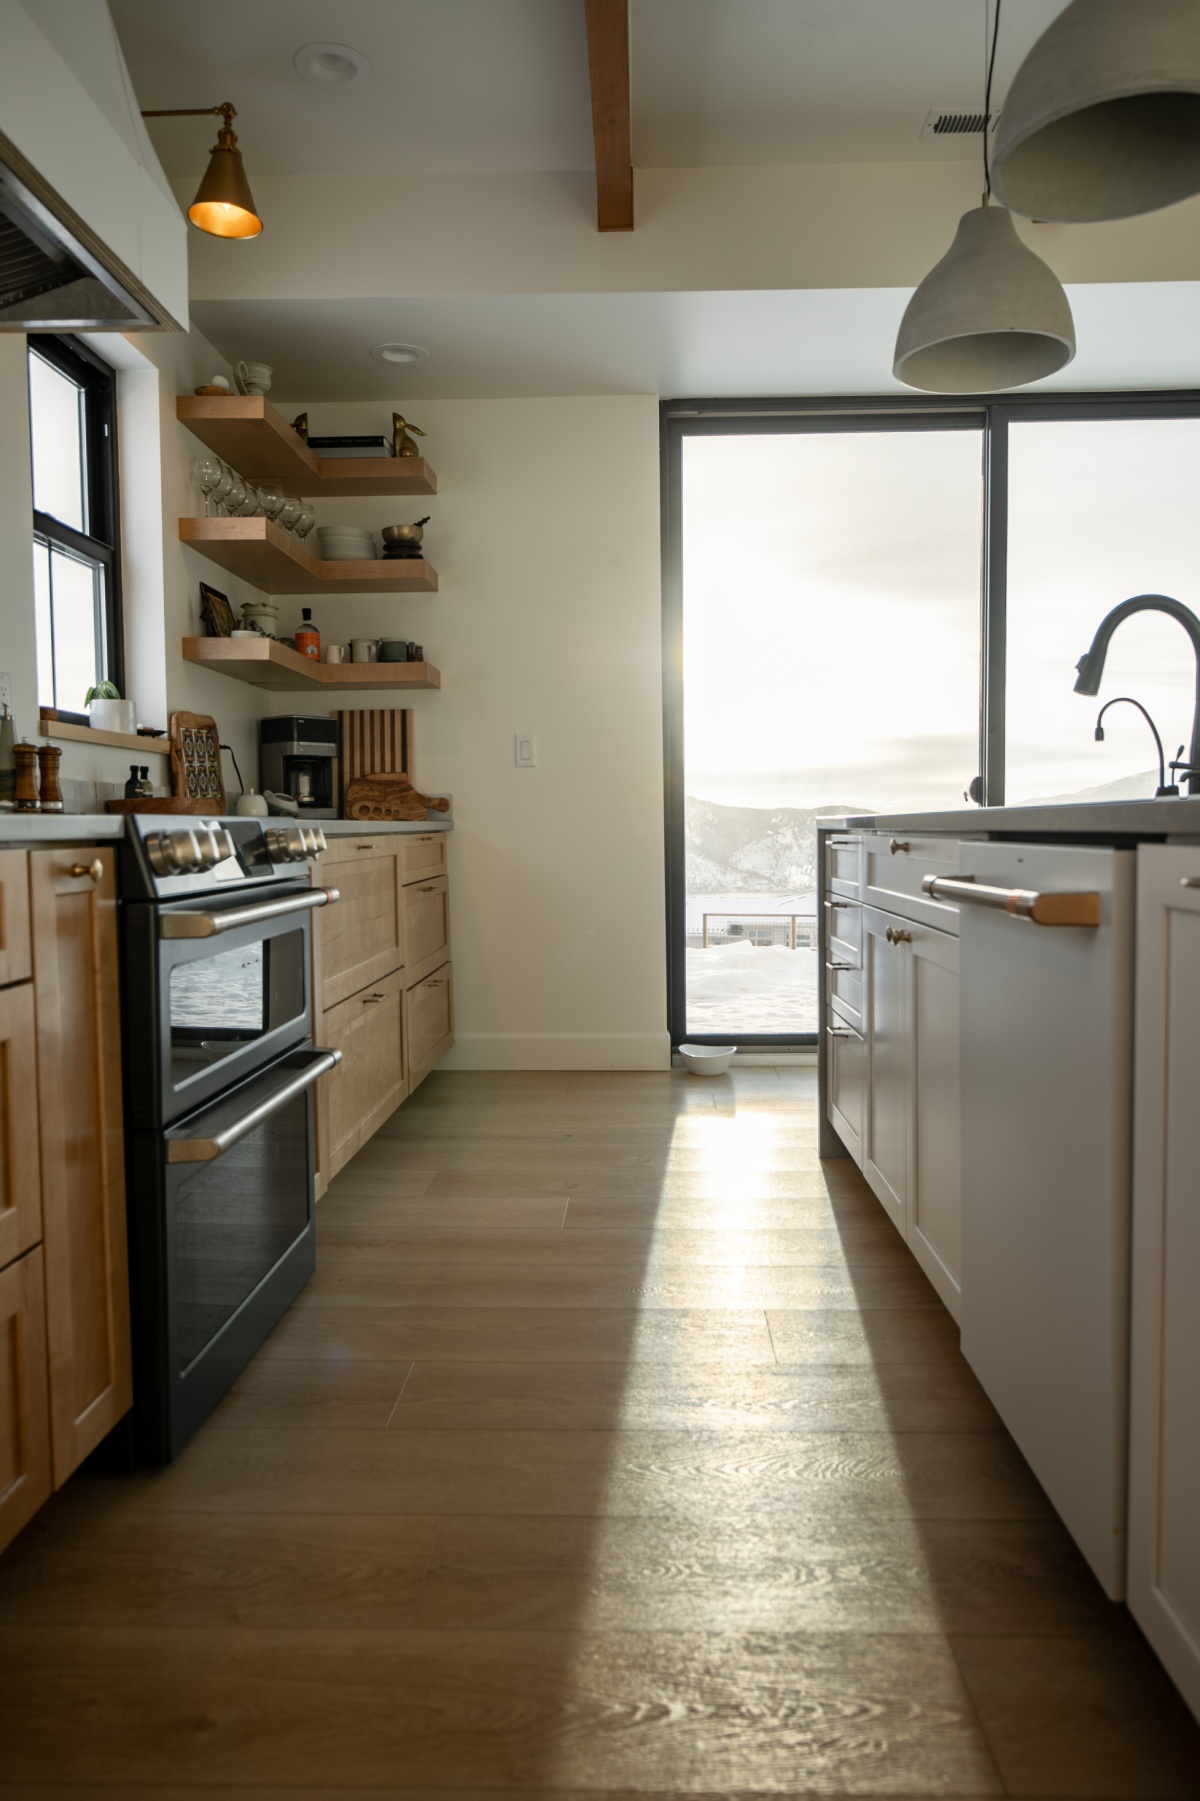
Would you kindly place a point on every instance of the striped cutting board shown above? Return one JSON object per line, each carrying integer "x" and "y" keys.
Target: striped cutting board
{"x": 373, "y": 741}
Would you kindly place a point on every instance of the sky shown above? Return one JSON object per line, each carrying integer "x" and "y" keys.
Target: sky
{"x": 831, "y": 609}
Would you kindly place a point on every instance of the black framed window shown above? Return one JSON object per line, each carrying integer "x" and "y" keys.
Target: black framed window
{"x": 1081, "y": 501}
{"x": 76, "y": 552}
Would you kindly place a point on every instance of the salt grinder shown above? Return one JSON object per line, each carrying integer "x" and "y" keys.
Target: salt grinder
{"x": 49, "y": 758}
{"x": 25, "y": 799}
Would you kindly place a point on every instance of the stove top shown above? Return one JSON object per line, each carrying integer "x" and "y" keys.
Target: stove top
{"x": 168, "y": 856}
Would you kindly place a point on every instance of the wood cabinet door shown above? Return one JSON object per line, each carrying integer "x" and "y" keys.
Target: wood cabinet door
{"x": 14, "y": 916}
{"x": 1164, "y": 1487}
{"x": 935, "y": 1191}
{"x": 426, "y": 928}
{"x": 429, "y": 1017}
{"x": 887, "y": 966}
{"x": 24, "y": 1409}
{"x": 370, "y": 1081}
{"x": 20, "y": 1164}
{"x": 74, "y": 924}
{"x": 362, "y": 934}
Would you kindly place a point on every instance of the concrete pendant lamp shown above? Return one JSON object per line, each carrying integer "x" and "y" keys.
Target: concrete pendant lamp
{"x": 1102, "y": 120}
{"x": 990, "y": 315}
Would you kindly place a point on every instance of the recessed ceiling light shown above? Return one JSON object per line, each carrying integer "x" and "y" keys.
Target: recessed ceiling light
{"x": 399, "y": 353}
{"x": 331, "y": 66}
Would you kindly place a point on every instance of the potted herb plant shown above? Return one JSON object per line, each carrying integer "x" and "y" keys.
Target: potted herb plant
{"x": 107, "y": 712}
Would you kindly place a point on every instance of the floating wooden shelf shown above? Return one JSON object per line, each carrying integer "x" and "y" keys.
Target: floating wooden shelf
{"x": 260, "y": 444}
{"x": 86, "y": 734}
{"x": 273, "y": 561}
{"x": 265, "y": 664}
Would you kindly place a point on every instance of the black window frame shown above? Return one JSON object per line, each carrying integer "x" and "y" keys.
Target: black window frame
{"x": 993, "y": 413}
{"x": 100, "y": 545}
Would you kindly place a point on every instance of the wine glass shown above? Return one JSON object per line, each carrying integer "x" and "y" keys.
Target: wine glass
{"x": 270, "y": 499}
{"x": 306, "y": 521}
{"x": 235, "y": 495}
{"x": 290, "y": 511}
{"x": 221, "y": 491}
{"x": 206, "y": 473}
{"x": 249, "y": 506}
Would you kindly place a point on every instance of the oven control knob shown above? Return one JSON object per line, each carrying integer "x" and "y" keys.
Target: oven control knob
{"x": 314, "y": 840}
{"x": 223, "y": 842}
{"x": 214, "y": 843}
{"x": 175, "y": 853}
{"x": 286, "y": 844}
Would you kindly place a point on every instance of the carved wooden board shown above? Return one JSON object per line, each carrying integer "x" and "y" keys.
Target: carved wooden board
{"x": 389, "y": 797}
{"x": 196, "y": 760}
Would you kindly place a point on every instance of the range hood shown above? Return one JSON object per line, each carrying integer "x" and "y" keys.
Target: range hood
{"x": 51, "y": 279}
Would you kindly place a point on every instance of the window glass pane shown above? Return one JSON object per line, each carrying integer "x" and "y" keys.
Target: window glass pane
{"x": 56, "y": 424}
{"x": 42, "y": 622}
{"x": 76, "y": 587}
{"x": 831, "y": 587}
{"x": 1098, "y": 511}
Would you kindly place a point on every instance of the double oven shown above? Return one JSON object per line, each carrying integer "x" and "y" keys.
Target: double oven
{"x": 219, "y": 1072}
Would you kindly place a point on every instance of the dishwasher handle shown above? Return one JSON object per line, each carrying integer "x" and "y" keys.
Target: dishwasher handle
{"x": 187, "y": 924}
{"x": 206, "y": 1150}
{"x": 1018, "y": 903}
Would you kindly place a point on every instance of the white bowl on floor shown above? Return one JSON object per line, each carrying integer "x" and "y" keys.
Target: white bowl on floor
{"x": 708, "y": 1059}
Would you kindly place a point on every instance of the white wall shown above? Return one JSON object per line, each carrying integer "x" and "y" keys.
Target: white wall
{"x": 545, "y": 535}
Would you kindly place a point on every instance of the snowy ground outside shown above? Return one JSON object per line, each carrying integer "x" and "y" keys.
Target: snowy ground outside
{"x": 734, "y": 988}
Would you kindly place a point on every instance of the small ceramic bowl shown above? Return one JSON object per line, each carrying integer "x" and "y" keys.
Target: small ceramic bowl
{"x": 403, "y": 534}
{"x": 708, "y": 1059}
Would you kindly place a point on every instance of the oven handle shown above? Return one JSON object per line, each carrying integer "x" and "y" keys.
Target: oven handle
{"x": 211, "y": 925}
{"x": 204, "y": 1150}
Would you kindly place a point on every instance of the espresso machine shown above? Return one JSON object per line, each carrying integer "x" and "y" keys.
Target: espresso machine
{"x": 297, "y": 759}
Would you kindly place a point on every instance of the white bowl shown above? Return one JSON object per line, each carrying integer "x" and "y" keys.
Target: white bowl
{"x": 707, "y": 1059}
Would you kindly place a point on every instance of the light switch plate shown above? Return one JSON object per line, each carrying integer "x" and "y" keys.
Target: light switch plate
{"x": 525, "y": 750}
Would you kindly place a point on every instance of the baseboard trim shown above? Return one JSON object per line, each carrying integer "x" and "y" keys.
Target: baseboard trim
{"x": 559, "y": 1050}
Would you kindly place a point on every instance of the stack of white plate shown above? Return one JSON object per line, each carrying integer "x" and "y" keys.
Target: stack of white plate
{"x": 347, "y": 543}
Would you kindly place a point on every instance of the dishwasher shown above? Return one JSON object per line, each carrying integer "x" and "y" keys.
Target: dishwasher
{"x": 1047, "y": 1115}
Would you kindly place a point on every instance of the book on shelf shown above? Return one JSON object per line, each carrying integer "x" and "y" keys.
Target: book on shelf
{"x": 351, "y": 447}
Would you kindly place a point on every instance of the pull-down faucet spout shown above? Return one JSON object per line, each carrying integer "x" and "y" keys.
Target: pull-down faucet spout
{"x": 1091, "y": 665}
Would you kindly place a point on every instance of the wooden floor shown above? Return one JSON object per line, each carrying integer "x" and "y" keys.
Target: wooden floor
{"x": 617, "y": 1448}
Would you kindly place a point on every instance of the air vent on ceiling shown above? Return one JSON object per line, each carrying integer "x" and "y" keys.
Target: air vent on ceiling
{"x": 958, "y": 121}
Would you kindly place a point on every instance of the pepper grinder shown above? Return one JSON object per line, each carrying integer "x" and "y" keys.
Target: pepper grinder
{"x": 25, "y": 757}
{"x": 49, "y": 757}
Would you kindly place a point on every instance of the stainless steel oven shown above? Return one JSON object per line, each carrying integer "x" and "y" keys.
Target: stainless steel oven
{"x": 220, "y": 1065}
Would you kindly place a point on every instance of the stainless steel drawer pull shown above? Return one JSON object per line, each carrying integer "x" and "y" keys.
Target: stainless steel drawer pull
{"x": 1018, "y": 903}
{"x": 834, "y": 968}
{"x": 898, "y": 844}
{"x": 843, "y": 1032}
{"x": 431, "y": 889}
{"x": 211, "y": 925}
{"x": 206, "y": 1150}
{"x": 372, "y": 997}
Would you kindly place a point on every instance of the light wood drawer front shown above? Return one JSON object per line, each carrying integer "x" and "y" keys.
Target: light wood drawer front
{"x": 24, "y": 1401}
{"x": 424, "y": 855}
{"x": 843, "y": 932}
{"x": 370, "y": 1081}
{"x": 897, "y": 864}
{"x": 362, "y": 935}
{"x": 426, "y": 928}
{"x": 844, "y": 865}
{"x": 430, "y": 1022}
{"x": 15, "y": 965}
{"x": 20, "y": 1163}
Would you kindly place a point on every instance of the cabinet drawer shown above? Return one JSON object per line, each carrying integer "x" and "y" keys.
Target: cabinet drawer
{"x": 362, "y": 937}
{"x": 15, "y": 965}
{"x": 894, "y": 868}
{"x": 24, "y": 1401}
{"x": 370, "y": 1081}
{"x": 429, "y": 1013}
{"x": 845, "y": 991}
{"x": 843, "y": 932}
{"x": 844, "y": 865}
{"x": 846, "y": 1066}
{"x": 424, "y": 855}
{"x": 426, "y": 928}
{"x": 20, "y": 1164}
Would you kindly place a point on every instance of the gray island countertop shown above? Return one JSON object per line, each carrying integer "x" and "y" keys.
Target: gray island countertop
{"x": 1105, "y": 821}
{"x": 98, "y": 828}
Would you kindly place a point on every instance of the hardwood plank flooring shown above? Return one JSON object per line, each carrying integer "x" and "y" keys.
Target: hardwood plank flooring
{"x": 617, "y": 1449}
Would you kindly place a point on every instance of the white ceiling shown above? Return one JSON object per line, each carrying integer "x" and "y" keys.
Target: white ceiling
{"x": 818, "y": 341}
{"x": 502, "y": 85}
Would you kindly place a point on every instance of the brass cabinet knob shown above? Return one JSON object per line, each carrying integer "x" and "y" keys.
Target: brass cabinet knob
{"x": 896, "y": 935}
{"x": 95, "y": 869}
{"x": 898, "y": 844}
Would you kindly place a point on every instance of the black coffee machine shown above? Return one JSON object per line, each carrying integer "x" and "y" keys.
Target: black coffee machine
{"x": 297, "y": 759}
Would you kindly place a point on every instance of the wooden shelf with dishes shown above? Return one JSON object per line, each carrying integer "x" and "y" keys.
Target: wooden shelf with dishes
{"x": 271, "y": 560}
{"x": 265, "y": 663}
{"x": 248, "y": 433}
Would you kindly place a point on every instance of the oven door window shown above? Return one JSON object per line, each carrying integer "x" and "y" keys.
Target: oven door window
{"x": 234, "y": 1219}
{"x": 224, "y": 1000}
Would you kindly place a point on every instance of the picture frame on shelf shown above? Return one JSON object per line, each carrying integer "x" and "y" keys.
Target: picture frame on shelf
{"x": 216, "y": 612}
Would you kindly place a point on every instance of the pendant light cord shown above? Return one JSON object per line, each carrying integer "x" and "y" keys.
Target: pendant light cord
{"x": 987, "y": 98}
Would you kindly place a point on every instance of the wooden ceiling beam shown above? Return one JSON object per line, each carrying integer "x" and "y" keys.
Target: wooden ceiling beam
{"x": 608, "y": 61}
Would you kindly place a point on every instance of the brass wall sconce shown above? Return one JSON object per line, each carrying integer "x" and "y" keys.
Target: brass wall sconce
{"x": 224, "y": 206}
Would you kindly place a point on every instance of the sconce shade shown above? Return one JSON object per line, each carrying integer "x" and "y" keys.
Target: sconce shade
{"x": 991, "y": 315}
{"x": 224, "y": 205}
{"x": 1102, "y": 120}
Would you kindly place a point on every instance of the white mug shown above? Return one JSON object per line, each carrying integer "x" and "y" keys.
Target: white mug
{"x": 335, "y": 653}
{"x": 364, "y": 650}
{"x": 252, "y": 378}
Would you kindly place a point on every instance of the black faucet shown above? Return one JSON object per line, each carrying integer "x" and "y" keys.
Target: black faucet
{"x": 1127, "y": 700}
{"x": 1091, "y": 666}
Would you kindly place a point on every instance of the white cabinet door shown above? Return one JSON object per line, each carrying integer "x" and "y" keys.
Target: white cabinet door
{"x": 1164, "y": 1488}
{"x": 886, "y": 972}
{"x": 934, "y": 1225}
{"x": 846, "y": 1066}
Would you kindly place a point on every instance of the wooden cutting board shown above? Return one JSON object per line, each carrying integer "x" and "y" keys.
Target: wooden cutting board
{"x": 389, "y": 797}
{"x": 373, "y": 741}
{"x": 158, "y": 803}
{"x": 196, "y": 761}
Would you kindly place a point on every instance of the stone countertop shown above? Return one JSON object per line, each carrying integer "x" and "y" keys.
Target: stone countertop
{"x": 60, "y": 828}
{"x": 1103, "y": 820}
{"x": 345, "y": 828}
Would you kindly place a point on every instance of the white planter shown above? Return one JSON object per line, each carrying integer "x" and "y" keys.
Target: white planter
{"x": 113, "y": 716}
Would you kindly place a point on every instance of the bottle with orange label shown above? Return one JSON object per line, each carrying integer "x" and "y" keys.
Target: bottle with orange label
{"x": 308, "y": 638}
